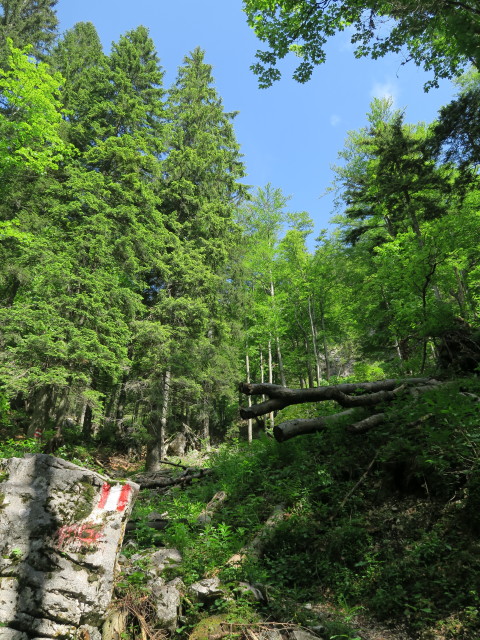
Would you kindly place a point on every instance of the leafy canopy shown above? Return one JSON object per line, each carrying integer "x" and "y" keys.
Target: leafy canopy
{"x": 440, "y": 35}
{"x": 30, "y": 114}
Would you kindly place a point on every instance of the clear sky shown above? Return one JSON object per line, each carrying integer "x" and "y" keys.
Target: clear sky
{"x": 290, "y": 134}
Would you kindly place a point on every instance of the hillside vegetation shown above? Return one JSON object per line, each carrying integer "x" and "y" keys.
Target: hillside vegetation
{"x": 141, "y": 281}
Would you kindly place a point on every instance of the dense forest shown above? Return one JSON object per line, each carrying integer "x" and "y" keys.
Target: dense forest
{"x": 141, "y": 280}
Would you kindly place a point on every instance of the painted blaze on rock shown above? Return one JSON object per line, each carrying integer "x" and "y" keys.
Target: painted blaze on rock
{"x": 60, "y": 529}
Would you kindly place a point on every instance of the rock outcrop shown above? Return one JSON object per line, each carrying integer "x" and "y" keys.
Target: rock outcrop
{"x": 60, "y": 530}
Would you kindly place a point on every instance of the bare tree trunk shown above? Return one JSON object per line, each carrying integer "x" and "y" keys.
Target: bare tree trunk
{"x": 277, "y": 339}
{"x": 206, "y": 416}
{"x": 250, "y": 421}
{"x": 325, "y": 346}
{"x": 158, "y": 428}
{"x": 314, "y": 341}
{"x": 280, "y": 363}
{"x": 40, "y": 403}
{"x": 87, "y": 428}
{"x": 61, "y": 412}
{"x": 270, "y": 379}
{"x": 81, "y": 417}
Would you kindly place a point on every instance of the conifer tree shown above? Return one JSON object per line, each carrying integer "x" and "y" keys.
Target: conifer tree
{"x": 199, "y": 193}
{"x": 87, "y": 88}
{"x": 27, "y": 22}
{"x": 98, "y": 233}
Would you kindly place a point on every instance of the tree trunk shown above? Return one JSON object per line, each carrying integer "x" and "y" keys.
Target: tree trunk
{"x": 40, "y": 404}
{"x": 158, "y": 428}
{"x": 250, "y": 421}
{"x": 362, "y": 395}
{"x": 325, "y": 346}
{"x": 280, "y": 363}
{"x": 369, "y": 394}
{"x": 270, "y": 379}
{"x": 61, "y": 411}
{"x": 314, "y": 341}
{"x": 206, "y": 416}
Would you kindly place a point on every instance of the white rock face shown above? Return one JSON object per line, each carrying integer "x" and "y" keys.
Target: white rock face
{"x": 60, "y": 530}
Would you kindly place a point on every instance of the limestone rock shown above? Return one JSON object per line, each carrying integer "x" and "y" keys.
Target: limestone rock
{"x": 60, "y": 530}
{"x": 167, "y": 600}
{"x": 249, "y": 589}
{"x": 165, "y": 558}
{"x": 206, "y": 589}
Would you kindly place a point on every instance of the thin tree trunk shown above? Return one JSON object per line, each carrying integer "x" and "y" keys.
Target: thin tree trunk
{"x": 277, "y": 339}
{"x": 206, "y": 416}
{"x": 270, "y": 378}
{"x": 81, "y": 417}
{"x": 325, "y": 346}
{"x": 314, "y": 341}
{"x": 309, "y": 366}
{"x": 280, "y": 363}
{"x": 460, "y": 297}
{"x": 158, "y": 428}
{"x": 250, "y": 421}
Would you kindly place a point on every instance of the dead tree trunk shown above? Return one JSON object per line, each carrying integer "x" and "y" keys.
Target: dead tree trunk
{"x": 350, "y": 396}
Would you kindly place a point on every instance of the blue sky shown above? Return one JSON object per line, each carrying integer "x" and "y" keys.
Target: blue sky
{"x": 290, "y": 134}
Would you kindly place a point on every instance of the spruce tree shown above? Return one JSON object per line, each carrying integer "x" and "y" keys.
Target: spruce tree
{"x": 87, "y": 89}
{"x": 97, "y": 233}
{"x": 199, "y": 193}
{"x": 27, "y": 22}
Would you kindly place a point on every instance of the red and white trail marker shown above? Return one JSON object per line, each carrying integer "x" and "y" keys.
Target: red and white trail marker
{"x": 114, "y": 498}
{"x": 90, "y": 532}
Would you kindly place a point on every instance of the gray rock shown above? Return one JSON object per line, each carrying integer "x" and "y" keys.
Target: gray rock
{"x": 167, "y": 600}
{"x": 206, "y": 589}
{"x": 301, "y": 634}
{"x": 274, "y": 634}
{"x": 60, "y": 530}
{"x": 165, "y": 558}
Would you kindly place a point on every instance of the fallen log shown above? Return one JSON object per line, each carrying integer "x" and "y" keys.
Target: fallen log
{"x": 299, "y": 427}
{"x": 160, "y": 481}
{"x": 350, "y": 396}
{"x": 345, "y": 394}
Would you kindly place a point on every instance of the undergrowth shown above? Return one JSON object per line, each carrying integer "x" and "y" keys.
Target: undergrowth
{"x": 399, "y": 542}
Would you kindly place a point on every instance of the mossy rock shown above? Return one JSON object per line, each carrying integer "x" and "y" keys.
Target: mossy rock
{"x": 210, "y": 628}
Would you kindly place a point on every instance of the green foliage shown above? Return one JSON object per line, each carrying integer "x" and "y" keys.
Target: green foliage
{"x": 30, "y": 114}
{"x": 437, "y": 35}
{"x": 30, "y": 22}
{"x": 401, "y": 540}
{"x": 16, "y": 448}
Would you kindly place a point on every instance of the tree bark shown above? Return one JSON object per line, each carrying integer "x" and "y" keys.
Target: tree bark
{"x": 270, "y": 379}
{"x": 314, "y": 341}
{"x": 250, "y": 422}
{"x": 351, "y": 396}
{"x": 299, "y": 427}
{"x": 281, "y": 397}
{"x": 158, "y": 429}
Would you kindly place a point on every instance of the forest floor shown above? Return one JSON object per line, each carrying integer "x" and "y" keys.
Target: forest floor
{"x": 379, "y": 537}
